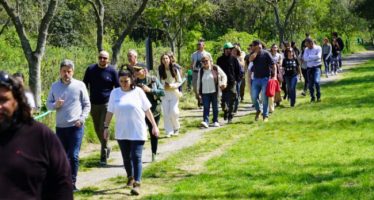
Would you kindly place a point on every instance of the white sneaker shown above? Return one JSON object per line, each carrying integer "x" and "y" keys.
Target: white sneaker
{"x": 204, "y": 124}
{"x": 216, "y": 124}
{"x": 169, "y": 135}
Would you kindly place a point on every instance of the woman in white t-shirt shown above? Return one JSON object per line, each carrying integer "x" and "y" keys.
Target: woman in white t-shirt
{"x": 171, "y": 80}
{"x": 130, "y": 106}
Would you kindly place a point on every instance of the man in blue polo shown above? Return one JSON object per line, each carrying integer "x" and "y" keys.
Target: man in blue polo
{"x": 100, "y": 79}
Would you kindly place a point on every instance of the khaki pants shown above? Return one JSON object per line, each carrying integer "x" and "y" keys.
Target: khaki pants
{"x": 194, "y": 85}
{"x": 98, "y": 113}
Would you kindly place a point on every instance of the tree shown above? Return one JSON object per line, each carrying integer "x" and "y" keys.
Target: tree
{"x": 99, "y": 8}
{"x": 176, "y": 17}
{"x": 33, "y": 57}
{"x": 282, "y": 26}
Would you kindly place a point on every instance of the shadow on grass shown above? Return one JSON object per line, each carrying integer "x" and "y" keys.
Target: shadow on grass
{"x": 92, "y": 191}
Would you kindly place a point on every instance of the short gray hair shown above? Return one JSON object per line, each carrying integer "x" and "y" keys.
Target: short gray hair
{"x": 133, "y": 52}
{"x": 67, "y": 63}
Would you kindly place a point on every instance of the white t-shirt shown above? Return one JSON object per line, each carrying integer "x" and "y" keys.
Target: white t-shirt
{"x": 129, "y": 110}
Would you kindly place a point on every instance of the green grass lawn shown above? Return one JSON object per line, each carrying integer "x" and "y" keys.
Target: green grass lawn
{"x": 312, "y": 151}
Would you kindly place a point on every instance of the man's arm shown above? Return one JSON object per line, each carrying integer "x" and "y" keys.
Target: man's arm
{"x": 159, "y": 90}
{"x": 317, "y": 55}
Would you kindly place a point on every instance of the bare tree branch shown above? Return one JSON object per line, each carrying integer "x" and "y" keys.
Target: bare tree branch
{"x": 44, "y": 25}
{"x": 117, "y": 46}
{"x": 13, "y": 14}
{"x": 289, "y": 12}
{"x": 5, "y": 25}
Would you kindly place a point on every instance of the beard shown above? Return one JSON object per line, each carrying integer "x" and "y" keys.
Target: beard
{"x": 6, "y": 123}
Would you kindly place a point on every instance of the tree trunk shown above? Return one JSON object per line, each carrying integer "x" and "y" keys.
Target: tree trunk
{"x": 99, "y": 9}
{"x": 35, "y": 79}
{"x": 116, "y": 47}
{"x": 171, "y": 43}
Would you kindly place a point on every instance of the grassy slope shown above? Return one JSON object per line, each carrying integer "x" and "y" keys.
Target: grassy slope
{"x": 313, "y": 151}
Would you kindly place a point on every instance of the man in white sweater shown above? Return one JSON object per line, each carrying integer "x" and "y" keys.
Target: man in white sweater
{"x": 312, "y": 56}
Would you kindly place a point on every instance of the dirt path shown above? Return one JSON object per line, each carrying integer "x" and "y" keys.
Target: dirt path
{"x": 115, "y": 167}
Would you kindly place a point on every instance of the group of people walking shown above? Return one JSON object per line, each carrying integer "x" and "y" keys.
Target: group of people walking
{"x": 136, "y": 99}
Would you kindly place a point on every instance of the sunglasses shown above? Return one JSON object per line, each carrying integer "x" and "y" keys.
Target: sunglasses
{"x": 204, "y": 61}
{"x": 5, "y": 80}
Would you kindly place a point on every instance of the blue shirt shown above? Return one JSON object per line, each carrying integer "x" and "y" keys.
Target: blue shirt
{"x": 100, "y": 82}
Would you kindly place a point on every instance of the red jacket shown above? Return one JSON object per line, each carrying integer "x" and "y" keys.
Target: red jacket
{"x": 272, "y": 88}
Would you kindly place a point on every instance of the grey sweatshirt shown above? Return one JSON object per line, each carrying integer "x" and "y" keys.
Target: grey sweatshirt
{"x": 76, "y": 102}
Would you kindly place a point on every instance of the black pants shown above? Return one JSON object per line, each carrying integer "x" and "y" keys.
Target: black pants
{"x": 227, "y": 101}
{"x": 305, "y": 76}
{"x": 154, "y": 139}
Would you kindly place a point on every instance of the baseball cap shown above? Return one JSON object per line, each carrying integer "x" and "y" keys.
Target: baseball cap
{"x": 228, "y": 45}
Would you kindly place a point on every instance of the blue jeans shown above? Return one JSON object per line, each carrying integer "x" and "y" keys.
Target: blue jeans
{"x": 259, "y": 85}
{"x": 327, "y": 63}
{"x": 334, "y": 64}
{"x": 237, "y": 100}
{"x": 131, "y": 151}
{"x": 291, "y": 82}
{"x": 314, "y": 75}
{"x": 340, "y": 60}
{"x": 210, "y": 98}
{"x": 71, "y": 139}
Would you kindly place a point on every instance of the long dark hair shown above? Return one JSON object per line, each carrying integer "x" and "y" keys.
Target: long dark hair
{"x": 128, "y": 74}
{"x": 162, "y": 68}
{"x": 23, "y": 112}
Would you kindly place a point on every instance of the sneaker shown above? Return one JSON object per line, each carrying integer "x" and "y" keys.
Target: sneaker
{"x": 303, "y": 93}
{"x": 103, "y": 162}
{"x": 204, "y": 124}
{"x": 312, "y": 99}
{"x": 318, "y": 100}
{"x": 168, "y": 135}
{"x": 257, "y": 115}
{"x": 176, "y": 132}
{"x": 75, "y": 189}
{"x": 136, "y": 189}
{"x": 130, "y": 181}
{"x": 216, "y": 124}
{"x": 266, "y": 119}
{"x": 229, "y": 121}
{"x": 153, "y": 157}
